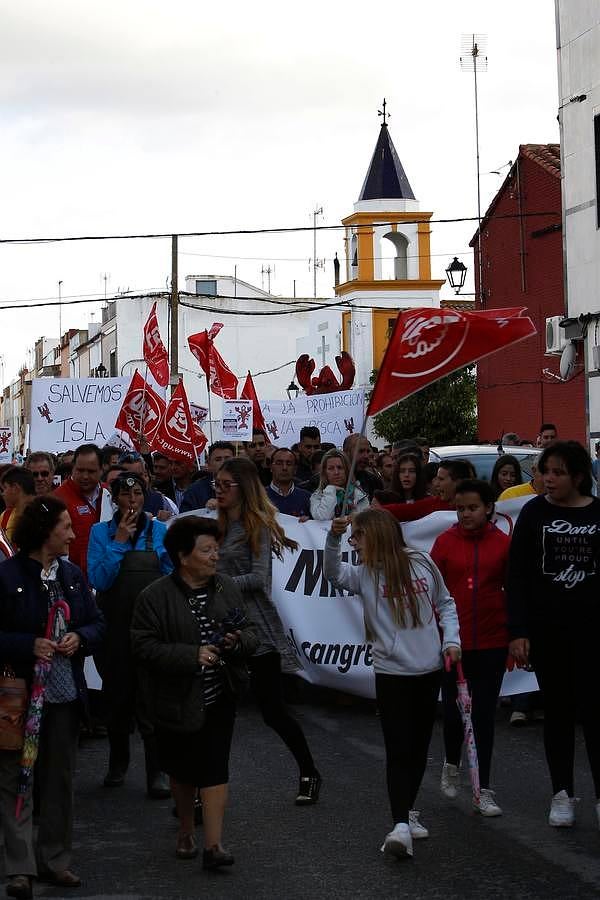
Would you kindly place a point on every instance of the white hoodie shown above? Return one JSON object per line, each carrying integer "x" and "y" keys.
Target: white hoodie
{"x": 398, "y": 650}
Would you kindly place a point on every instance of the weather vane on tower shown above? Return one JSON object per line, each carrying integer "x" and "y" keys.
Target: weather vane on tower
{"x": 382, "y": 112}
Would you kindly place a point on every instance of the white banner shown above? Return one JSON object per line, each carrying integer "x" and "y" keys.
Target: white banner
{"x": 6, "y": 444}
{"x": 237, "y": 420}
{"x": 325, "y": 627}
{"x": 67, "y": 412}
{"x": 335, "y": 415}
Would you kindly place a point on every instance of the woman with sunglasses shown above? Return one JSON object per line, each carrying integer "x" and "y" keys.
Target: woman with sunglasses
{"x": 403, "y": 597}
{"x": 124, "y": 556}
{"x": 251, "y": 534}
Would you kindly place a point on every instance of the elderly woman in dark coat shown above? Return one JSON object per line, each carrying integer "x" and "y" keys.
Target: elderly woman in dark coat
{"x": 33, "y": 585}
{"x": 191, "y": 638}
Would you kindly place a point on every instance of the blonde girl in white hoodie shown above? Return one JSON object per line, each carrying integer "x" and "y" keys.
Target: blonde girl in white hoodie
{"x": 404, "y": 598}
{"x": 328, "y": 500}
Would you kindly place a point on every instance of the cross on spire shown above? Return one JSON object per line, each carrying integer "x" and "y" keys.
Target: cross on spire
{"x": 382, "y": 112}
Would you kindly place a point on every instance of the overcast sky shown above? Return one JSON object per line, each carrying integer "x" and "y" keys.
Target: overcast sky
{"x": 136, "y": 116}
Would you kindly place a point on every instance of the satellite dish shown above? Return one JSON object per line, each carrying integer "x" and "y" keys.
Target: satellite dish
{"x": 568, "y": 358}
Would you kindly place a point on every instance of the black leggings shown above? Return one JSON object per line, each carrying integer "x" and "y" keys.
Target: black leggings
{"x": 407, "y": 706}
{"x": 484, "y": 670}
{"x": 266, "y": 682}
{"x": 568, "y": 677}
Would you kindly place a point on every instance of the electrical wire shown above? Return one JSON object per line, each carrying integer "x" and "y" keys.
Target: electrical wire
{"x": 245, "y": 231}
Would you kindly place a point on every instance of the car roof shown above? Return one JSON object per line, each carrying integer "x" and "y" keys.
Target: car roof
{"x": 475, "y": 449}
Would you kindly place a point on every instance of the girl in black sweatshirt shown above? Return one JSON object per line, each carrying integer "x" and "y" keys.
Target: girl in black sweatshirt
{"x": 554, "y": 613}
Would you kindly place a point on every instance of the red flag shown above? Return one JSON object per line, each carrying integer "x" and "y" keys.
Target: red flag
{"x": 249, "y": 393}
{"x": 177, "y": 436}
{"x": 220, "y": 378}
{"x": 155, "y": 354}
{"x": 141, "y": 411}
{"x": 427, "y": 344}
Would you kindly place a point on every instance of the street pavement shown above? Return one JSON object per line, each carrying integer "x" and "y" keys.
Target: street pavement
{"x": 124, "y": 842}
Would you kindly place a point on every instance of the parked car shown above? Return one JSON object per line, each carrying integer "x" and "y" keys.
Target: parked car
{"x": 484, "y": 456}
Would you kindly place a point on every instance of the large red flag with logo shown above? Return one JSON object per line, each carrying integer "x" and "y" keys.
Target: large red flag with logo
{"x": 141, "y": 411}
{"x": 249, "y": 393}
{"x": 177, "y": 436}
{"x": 155, "y": 354}
{"x": 427, "y": 344}
{"x": 220, "y": 378}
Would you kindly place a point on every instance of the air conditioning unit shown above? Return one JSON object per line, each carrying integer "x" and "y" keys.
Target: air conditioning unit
{"x": 556, "y": 339}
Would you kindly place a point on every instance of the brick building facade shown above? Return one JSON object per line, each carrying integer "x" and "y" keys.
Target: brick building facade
{"x": 522, "y": 265}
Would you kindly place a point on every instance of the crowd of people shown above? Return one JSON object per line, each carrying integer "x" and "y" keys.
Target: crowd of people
{"x": 161, "y": 571}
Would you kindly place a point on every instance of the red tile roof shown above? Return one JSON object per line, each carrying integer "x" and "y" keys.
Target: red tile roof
{"x": 546, "y": 155}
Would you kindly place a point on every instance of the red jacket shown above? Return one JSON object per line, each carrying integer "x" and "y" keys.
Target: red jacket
{"x": 474, "y": 565}
{"x": 83, "y": 516}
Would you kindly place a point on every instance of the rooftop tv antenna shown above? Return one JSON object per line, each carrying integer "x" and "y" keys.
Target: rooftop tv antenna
{"x": 473, "y": 58}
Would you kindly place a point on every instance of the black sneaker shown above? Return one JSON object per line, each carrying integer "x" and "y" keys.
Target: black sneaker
{"x": 214, "y": 858}
{"x": 114, "y": 778}
{"x": 308, "y": 789}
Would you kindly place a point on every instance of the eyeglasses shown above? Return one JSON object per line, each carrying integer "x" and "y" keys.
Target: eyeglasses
{"x": 224, "y": 486}
{"x": 41, "y": 474}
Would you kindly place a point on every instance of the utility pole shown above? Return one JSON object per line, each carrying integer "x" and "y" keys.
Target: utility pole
{"x": 59, "y": 311}
{"x": 317, "y": 263}
{"x": 174, "y": 316}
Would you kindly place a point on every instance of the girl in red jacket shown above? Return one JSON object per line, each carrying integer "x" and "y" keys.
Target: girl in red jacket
{"x": 472, "y": 557}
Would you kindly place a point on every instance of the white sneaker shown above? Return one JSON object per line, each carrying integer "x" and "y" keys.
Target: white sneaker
{"x": 518, "y": 718}
{"x": 449, "y": 782}
{"x": 562, "y": 811}
{"x": 417, "y": 830}
{"x": 398, "y": 842}
{"x": 486, "y": 805}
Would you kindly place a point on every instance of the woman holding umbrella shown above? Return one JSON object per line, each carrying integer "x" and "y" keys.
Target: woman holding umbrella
{"x": 402, "y": 592}
{"x": 554, "y": 613}
{"x": 49, "y": 622}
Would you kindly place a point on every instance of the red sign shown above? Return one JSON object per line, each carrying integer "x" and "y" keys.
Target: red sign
{"x": 428, "y": 344}
{"x": 155, "y": 354}
{"x": 249, "y": 393}
{"x": 141, "y": 411}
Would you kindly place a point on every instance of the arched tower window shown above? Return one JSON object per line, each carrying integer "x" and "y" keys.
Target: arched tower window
{"x": 354, "y": 257}
{"x": 394, "y": 252}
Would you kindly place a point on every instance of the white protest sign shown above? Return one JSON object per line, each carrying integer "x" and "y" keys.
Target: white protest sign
{"x": 237, "y": 420}
{"x": 335, "y": 415}
{"x": 6, "y": 444}
{"x": 325, "y": 627}
{"x": 199, "y": 414}
{"x": 67, "y": 412}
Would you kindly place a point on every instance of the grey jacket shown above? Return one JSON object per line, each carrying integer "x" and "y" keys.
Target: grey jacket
{"x": 165, "y": 641}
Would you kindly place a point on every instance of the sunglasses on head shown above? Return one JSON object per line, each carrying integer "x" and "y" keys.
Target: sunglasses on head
{"x": 129, "y": 457}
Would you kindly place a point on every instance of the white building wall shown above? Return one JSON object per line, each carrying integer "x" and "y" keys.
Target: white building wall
{"x": 256, "y": 342}
{"x": 578, "y": 42}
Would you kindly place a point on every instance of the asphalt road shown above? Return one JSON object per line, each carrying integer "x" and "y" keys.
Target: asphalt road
{"x": 125, "y": 842}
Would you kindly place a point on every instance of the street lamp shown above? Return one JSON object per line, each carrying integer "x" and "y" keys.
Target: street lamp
{"x": 456, "y": 273}
{"x": 292, "y": 390}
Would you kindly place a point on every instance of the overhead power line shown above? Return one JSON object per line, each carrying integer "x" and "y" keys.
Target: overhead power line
{"x": 248, "y": 231}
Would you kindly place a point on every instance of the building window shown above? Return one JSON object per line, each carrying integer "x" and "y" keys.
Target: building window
{"x": 207, "y": 287}
{"x": 112, "y": 365}
{"x": 597, "y": 149}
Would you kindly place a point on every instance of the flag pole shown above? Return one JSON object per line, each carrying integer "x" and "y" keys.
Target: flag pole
{"x": 361, "y": 434}
{"x": 141, "y": 434}
{"x": 210, "y": 427}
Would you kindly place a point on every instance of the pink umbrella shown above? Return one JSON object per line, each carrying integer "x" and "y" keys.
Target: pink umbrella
{"x": 463, "y": 701}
